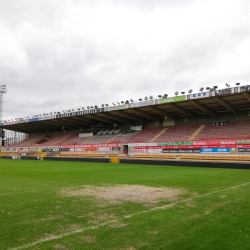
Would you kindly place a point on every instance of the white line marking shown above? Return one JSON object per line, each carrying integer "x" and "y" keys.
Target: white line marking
{"x": 121, "y": 218}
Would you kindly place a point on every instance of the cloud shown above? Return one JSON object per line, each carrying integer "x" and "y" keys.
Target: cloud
{"x": 64, "y": 54}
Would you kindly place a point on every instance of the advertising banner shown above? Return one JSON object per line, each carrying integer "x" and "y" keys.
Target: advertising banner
{"x": 142, "y": 144}
{"x": 91, "y": 146}
{"x": 245, "y": 88}
{"x": 47, "y": 150}
{"x": 172, "y": 99}
{"x": 214, "y": 142}
{"x": 199, "y": 95}
{"x": 243, "y": 150}
{"x": 64, "y": 149}
{"x": 215, "y": 150}
{"x": 118, "y": 107}
{"x": 224, "y": 91}
{"x": 174, "y": 143}
{"x": 140, "y": 151}
{"x": 141, "y": 104}
{"x": 181, "y": 151}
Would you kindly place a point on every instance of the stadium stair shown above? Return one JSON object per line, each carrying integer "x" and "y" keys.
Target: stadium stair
{"x": 196, "y": 132}
{"x": 158, "y": 135}
{"x": 112, "y": 138}
{"x": 89, "y": 139}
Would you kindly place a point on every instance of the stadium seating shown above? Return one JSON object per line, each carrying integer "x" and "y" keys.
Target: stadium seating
{"x": 146, "y": 135}
{"x": 178, "y": 133}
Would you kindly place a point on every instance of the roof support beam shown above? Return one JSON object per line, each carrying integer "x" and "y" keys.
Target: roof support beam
{"x": 226, "y": 105}
{"x": 117, "y": 118}
{"x": 153, "y": 117}
{"x": 102, "y": 119}
{"x": 134, "y": 117}
{"x": 164, "y": 113}
{"x": 182, "y": 110}
{"x": 247, "y": 95}
{"x": 203, "y": 108}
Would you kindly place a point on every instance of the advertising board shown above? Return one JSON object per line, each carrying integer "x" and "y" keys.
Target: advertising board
{"x": 199, "y": 95}
{"x": 181, "y": 150}
{"x": 224, "y": 91}
{"x": 172, "y": 99}
{"x": 215, "y": 150}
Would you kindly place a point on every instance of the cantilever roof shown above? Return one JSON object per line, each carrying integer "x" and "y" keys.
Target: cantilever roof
{"x": 232, "y": 100}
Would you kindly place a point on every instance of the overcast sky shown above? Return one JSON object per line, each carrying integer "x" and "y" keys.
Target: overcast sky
{"x": 64, "y": 54}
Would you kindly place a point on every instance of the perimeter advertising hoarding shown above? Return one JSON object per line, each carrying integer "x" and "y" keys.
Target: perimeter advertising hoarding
{"x": 181, "y": 150}
{"x": 172, "y": 99}
{"x": 174, "y": 143}
{"x": 199, "y": 95}
{"x": 243, "y": 150}
{"x": 215, "y": 150}
{"x": 229, "y": 142}
{"x": 91, "y": 146}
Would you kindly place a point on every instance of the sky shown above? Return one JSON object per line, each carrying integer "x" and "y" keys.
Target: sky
{"x": 66, "y": 54}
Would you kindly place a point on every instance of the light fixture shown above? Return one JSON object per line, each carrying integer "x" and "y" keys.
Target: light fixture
{"x": 118, "y": 103}
{"x": 113, "y": 103}
{"x": 159, "y": 96}
{"x": 215, "y": 87}
{"x": 176, "y": 93}
{"x": 140, "y": 99}
{"x": 131, "y": 100}
{"x": 237, "y": 83}
{"x": 151, "y": 97}
{"x": 227, "y": 85}
{"x": 165, "y": 95}
{"x": 201, "y": 89}
{"x": 207, "y": 88}
{"x": 107, "y": 105}
{"x": 183, "y": 93}
{"x": 190, "y": 91}
{"x": 122, "y": 102}
{"x": 145, "y": 98}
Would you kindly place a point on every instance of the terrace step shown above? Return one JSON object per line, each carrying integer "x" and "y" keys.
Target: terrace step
{"x": 159, "y": 134}
{"x": 196, "y": 132}
{"x": 89, "y": 139}
{"x": 112, "y": 138}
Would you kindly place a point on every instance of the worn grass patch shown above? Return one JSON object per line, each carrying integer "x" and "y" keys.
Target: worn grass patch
{"x": 81, "y": 206}
{"x": 111, "y": 195}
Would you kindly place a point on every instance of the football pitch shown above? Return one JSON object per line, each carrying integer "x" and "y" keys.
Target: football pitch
{"x": 77, "y": 206}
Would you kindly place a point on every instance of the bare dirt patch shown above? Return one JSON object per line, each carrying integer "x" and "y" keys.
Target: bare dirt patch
{"x": 89, "y": 239}
{"x": 126, "y": 193}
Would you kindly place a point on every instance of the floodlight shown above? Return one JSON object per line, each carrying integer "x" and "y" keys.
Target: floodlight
{"x": 83, "y": 108}
{"x": 151, "y": 97}
{"x": 159, "y": 96}
{"x": 165, "y": 95}
{"x": 227, "y": 85}
{"x": 73, "y": 110}
{"x": 237, "y": 83}
{"x": 122, "y": 102}
{"x": 107, "y": 105}
{"x": 176, "y": 93}
{"x": 127, "y": 102}
{"x": 140, "y": 99}
{"x": 215, "y": 87}
{"x": 131, "y": 100}
{"x": 190, "y": 91}
{"x": 146, "y": 98}
{"x": 118, "y": 103}
{"x": 103, "y": 105}
{"x": 201, "y": 89}
{"x": 113, "y": 103}
{"x": 92, "y": 107}
{"x": 96, "y": 107}
{"x": 183, "y": 93}
{"x": 207, "y": 88}
{"x": 87, "y": 107}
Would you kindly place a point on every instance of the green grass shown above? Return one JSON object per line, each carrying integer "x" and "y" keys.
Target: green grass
{"x": 214, "y": 213}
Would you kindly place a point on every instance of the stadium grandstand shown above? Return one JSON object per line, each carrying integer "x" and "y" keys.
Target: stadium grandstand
{"x": 211, "y": 121}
